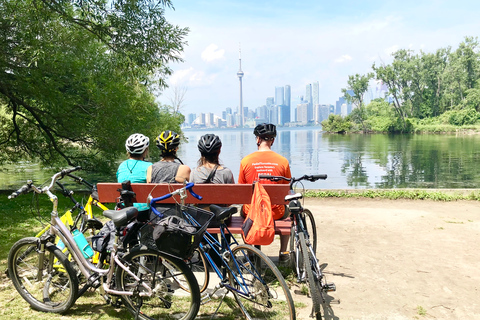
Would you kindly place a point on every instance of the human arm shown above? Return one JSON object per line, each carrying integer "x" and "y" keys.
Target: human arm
{"x": 183, "y": 173}
{"x": 149, "y": 174}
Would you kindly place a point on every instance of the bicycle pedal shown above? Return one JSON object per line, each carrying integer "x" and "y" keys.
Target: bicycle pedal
{"x": 205, "y": 299}
{"x": 330, "y": 287}
{"x": 323, "y": 266}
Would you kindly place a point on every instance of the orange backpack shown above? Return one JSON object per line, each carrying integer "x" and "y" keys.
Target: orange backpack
{"x": 259, "y": 226}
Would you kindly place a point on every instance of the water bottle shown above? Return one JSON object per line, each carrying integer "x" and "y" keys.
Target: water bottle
{"x": 82, "y": 244}
{"x": 60, "y": 245}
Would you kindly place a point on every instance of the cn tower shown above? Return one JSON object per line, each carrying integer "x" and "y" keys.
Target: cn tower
{"x": 240, "y": 76}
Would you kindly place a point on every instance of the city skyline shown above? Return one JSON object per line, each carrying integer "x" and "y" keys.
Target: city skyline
{"x": 287, "y": 43}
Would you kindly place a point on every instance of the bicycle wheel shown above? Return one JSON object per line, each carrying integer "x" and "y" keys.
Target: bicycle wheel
{"x": 162, "y": 274}
{"x": 199, "y": 265}
{"x": 311, "y": 227}
{"x": 313, "y": 282}
{"x": 265, "y": 294}
{"x": 51, "y": 286}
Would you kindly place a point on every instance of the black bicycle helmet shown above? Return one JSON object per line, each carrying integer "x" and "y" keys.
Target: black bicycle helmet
{"x": 265, "y": 130}
{"x": 168, "y": 141}
{"x": 209, "y": 143}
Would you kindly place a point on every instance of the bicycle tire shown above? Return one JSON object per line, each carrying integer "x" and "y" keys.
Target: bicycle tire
{"x": 311, "y": 227}
{"x": 267, "y": 299}
{"x": 57, "y": 291}
{"x": 199, "y": 265}
{"x": 313, "y": 282}
{"x": 169, "y": 300}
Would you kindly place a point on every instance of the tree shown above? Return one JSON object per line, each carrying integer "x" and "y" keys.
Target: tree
{"x": 177, "y": 99}
{"x": 359, "y": 85}
{"x": 389, "y": 75}
{"x": 76, "y": 77}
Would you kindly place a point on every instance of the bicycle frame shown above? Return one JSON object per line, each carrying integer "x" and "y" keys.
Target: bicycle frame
{"x": 59, "y": 229}
{"x": 212, "y": 242}
{"x": 298, "y": 223}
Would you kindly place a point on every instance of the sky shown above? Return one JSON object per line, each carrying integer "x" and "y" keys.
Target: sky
{"x": 300, "y": 42}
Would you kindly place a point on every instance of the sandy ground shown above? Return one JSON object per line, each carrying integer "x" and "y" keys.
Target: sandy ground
{"x": 397, "y": 259}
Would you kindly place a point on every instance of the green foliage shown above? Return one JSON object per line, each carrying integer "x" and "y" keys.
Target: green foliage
{"x": 393, "y": 194}
{"x": 428, "y": 85}
{"x": 336, "y": 124}
{"x": 77, "y": 78}
{"x": 460, "y": 117}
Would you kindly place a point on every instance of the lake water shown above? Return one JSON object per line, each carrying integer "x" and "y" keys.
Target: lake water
{"x": 350, "y": 161}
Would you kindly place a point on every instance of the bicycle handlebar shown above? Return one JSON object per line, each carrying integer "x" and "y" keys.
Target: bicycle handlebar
{"x": 312, "y": 178}
{"x": 81, "y": 180}
{"x": 24, "y": 189}
{"x": 188, "y": 187}
{"x": 27, "y": 187}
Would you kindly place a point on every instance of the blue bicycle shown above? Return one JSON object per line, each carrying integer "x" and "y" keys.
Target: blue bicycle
{"x": 253, "y": 279}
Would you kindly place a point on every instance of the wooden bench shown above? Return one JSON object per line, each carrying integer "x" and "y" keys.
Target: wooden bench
{"x": 228, "y": 194}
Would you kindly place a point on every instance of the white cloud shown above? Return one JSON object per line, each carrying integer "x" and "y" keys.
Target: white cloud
{"x": 179, "y": 76}
{"x": 212, "y": 53}
{"x": 388, "y": 51}
{"x": 343, "y": 58}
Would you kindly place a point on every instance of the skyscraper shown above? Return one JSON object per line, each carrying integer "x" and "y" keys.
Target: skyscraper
{"x": 288, "y": 101}
{"x": 308, "y": 93}
{"x": 270, "y": 101}
{"x": 315, "y": 94}
{"x": 279, "y": 96}
{"x": 288, "y": 95}
{"x": 240, "y": 76}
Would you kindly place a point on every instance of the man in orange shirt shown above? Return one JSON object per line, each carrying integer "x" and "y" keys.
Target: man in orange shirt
{"x": 267, "y": 162}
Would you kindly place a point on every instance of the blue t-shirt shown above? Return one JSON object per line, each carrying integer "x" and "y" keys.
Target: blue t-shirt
{"x": 136, "y": 172}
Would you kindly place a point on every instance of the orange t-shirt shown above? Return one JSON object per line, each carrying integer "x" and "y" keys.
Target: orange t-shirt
{"x": 267, "y": 163}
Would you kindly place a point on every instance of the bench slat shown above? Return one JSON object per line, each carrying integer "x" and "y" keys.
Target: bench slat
{"x": 282, "y": 227}
{"x": 211, "y": 193}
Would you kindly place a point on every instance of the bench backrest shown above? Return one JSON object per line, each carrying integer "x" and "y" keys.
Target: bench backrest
{"x": 211, "y": 193}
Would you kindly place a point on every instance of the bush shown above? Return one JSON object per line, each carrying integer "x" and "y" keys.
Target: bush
{"x": 337, "y": 124}
{"x": 466, "y": 116}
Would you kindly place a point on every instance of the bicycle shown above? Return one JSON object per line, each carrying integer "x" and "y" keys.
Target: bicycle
{"x": 85, "y": 220}
{"x": 47, "y": 280}
{"x": 303, "y": 245}
{"x": 255, "y": 282}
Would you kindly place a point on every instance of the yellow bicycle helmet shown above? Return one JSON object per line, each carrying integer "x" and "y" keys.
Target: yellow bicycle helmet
{"x": 168, "y": 141}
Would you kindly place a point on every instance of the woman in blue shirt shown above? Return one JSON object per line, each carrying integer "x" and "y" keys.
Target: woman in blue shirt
{"x": 135, "y": 167}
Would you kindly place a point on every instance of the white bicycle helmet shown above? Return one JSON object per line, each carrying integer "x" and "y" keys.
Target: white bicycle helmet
{"x": 137, "y": 143}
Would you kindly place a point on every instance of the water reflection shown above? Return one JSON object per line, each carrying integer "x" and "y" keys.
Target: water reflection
{"x": 351, "y": 161}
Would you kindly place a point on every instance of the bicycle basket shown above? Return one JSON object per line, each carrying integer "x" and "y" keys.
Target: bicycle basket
{"x": 174, "y": 235}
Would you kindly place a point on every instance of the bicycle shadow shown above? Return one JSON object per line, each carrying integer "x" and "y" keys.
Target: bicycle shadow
{"x": 327, "y": 310}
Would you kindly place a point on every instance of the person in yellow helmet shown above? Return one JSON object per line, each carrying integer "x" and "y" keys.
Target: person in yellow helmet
{"x": 170, "y": 169}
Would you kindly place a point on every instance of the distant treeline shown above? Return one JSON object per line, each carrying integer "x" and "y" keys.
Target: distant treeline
{"x": 433, "y": 92}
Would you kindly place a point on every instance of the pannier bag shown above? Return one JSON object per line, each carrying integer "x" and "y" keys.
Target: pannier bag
{"x": 259, "y": 226}
{"x": 174, "y": 235}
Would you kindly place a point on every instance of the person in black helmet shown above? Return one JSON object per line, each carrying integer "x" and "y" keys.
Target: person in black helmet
{"x": 209, "y": 169}
{"x": 170, "y": 169}
{"x": 265, "y": 161}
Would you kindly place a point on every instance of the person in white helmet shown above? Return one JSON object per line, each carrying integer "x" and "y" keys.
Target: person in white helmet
{"x": 135, "y": 167}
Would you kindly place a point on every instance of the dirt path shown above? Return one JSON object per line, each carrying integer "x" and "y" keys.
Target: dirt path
{"x": 398, "y": 259}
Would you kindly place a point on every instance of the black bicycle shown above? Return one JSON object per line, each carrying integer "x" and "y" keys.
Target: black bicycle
{"x": 303, "y": 245}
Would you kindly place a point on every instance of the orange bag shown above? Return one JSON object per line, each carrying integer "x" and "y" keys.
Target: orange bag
{"x": 259, "y": 226}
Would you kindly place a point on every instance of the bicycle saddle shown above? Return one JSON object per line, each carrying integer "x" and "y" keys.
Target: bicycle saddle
{"x": 295, "y": 196}
{"x": 222, "y": 213}
{"x": 121, "y": 217}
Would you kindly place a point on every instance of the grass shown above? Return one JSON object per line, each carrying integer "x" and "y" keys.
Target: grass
{"x": 395, "y": 194}
{"x": 421, "y": 311}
